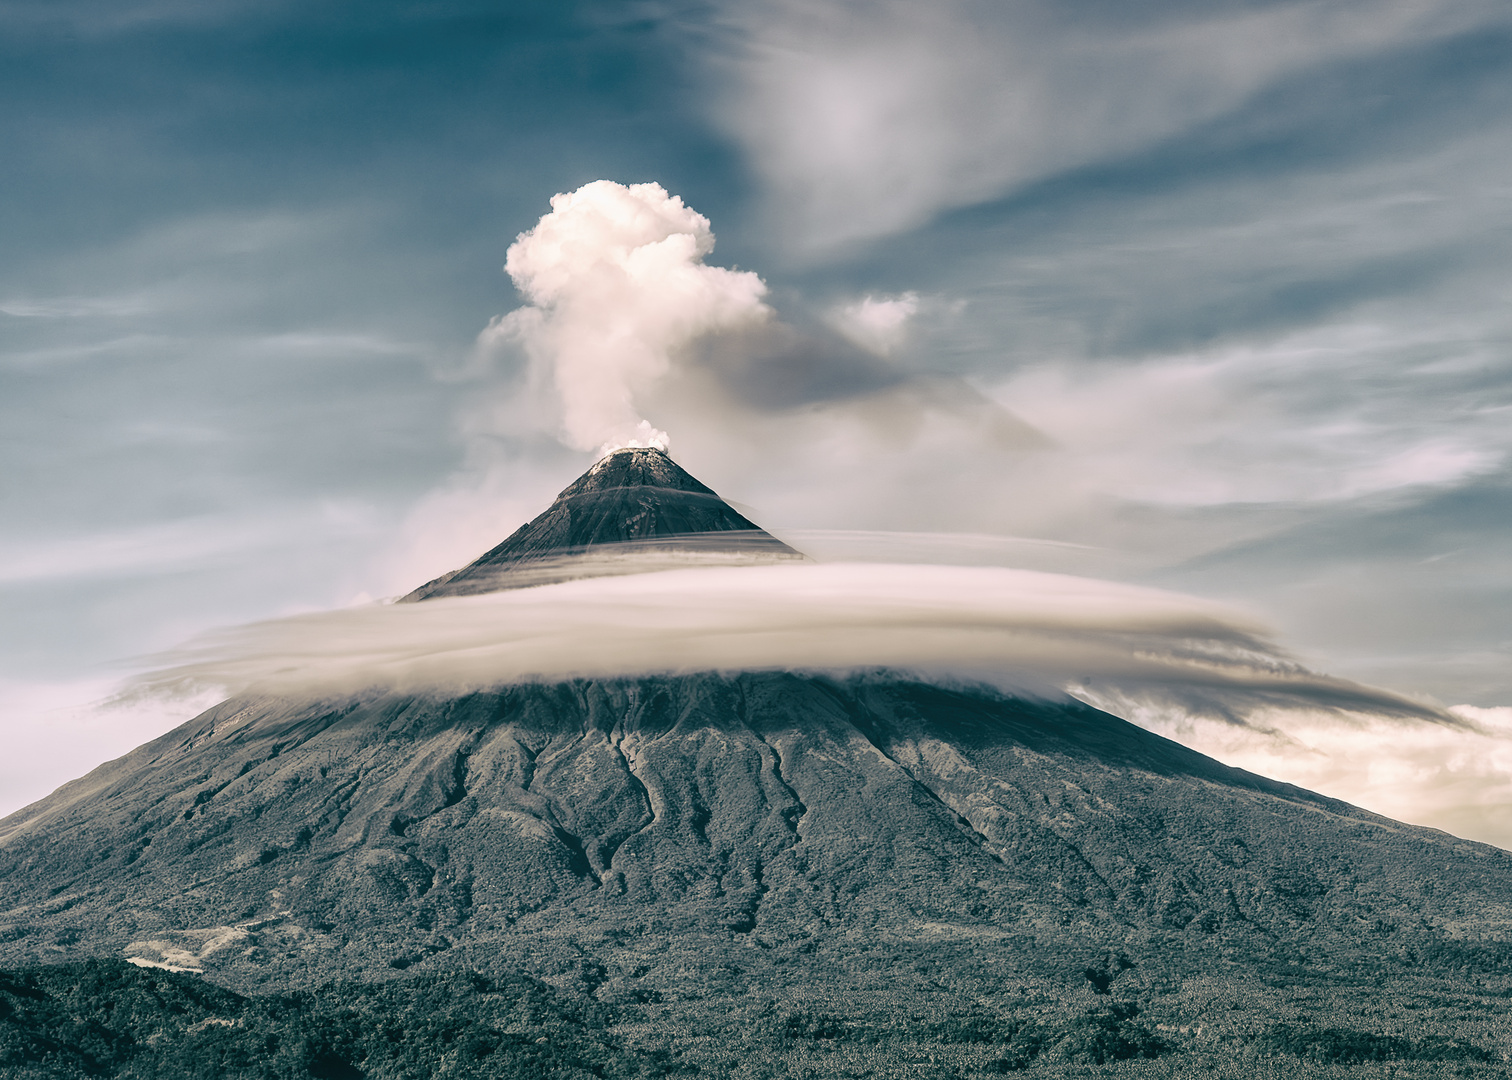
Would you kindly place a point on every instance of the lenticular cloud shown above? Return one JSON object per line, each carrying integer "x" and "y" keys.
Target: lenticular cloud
{"x": 1028, "y": 631}
{"x": 616, "y": 281}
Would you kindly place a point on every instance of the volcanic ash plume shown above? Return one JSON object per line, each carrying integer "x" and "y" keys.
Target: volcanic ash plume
{"x": 616, "y": 281}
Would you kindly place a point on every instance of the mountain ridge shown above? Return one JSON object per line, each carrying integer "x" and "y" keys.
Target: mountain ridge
{"x": 628, "y": 509}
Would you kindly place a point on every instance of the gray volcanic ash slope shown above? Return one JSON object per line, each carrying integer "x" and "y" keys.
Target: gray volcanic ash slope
{"x": 275, "y": 840}
{"x": 701, "y": 849}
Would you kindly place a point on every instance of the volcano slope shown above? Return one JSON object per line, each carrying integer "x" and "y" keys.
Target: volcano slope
{"x": 752, "y": 874}
{"x": 631, "y": 509}
{"x": 878, "y": 846}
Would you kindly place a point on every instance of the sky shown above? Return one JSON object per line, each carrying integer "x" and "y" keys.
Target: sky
{"x": 1208, "y": 298}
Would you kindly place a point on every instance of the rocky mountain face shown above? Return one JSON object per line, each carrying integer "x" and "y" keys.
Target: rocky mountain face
{"x": 752, "y": 815}
{"x": 722, "y": 855}
{"x": 634, "y": 502}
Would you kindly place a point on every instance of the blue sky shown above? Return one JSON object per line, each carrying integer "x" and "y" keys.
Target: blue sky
{"x": 1215, "y": 297}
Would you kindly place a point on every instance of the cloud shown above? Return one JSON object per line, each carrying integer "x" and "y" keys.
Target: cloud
{"x": 774, "y": 366}
{"x": 1032, "y": 631}
{"x": 933, "y": 548}
{"x": 71, "y": 727}
{"x": 864, "y": 120}
{"x": 616, "y": 281}
{"x": 1190, "y": 669}
{"x": 178, "y": 547}
{"x": 1270, "y": 421}
{"x": 876, "y": 324}
{"x": 76, "y": 307}
{"x": 1452, "y": 777}
{"x": 91, "y": 18}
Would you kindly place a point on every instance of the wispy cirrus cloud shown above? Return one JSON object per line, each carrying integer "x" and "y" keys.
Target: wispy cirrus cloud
{"x": 868, "y": 120}
{"x": 173, "y": 547}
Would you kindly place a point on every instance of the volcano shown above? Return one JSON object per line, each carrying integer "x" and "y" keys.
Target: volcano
{"x": 717, "y": 845}
{"x": 635, "y": 509}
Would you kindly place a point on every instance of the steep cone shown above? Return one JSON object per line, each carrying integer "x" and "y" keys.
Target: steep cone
{"x": 770, "y": 862}
{"x": 635, "y": 509}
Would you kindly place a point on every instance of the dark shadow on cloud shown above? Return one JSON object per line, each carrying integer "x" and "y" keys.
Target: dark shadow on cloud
{"x": 904, "y": 407}
{"x": 776, "y": 366}
{"x": 1242, "y": 704}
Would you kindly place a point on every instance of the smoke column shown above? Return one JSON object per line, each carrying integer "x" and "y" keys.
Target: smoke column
{"x": 616, "y": 282}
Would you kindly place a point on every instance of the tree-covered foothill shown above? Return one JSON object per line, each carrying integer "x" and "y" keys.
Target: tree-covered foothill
{"x": 108, "y": 1018}
{"x": 111, "y": 1019}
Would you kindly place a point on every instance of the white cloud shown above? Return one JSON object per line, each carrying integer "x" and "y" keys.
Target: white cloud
{"x": 1455, "y": 778}
{"x": 56, "y": 731}
{"x": 876, "y": 324}
{"x": 1028, "y": 630}
{"x": 78, "y": 307}
{"x": 1265, "y": 422}
{"x": 867, "y": 119}
{"x": 616, "y": 281}
{"x": 174, "y": 547}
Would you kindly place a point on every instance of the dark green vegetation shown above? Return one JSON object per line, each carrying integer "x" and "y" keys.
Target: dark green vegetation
{"x": 111, "y": 1019}
{"x": 1343, "y": 1045}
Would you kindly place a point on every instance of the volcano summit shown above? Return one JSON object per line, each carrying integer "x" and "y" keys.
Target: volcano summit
{"x": 635, "y": 509}
{"x": 844, "y": 873}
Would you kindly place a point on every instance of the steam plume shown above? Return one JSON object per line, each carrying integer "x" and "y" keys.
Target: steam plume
{"x": 616, "y": 281}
